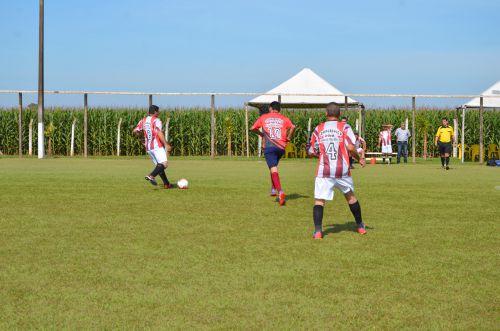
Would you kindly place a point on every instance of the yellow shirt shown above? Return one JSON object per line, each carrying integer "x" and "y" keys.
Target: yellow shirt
{"x": 444, "y": 134}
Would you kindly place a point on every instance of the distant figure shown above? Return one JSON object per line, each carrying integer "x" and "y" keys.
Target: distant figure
{"x": 360, "y": 144}
{"x": 402, "y": 134}
{"x": 384, "y": 141}
{"x": 277, "y": 130}
{"x": 332, "y": 141}
{"x": 156, "y": 145}
{"x": 444, "y": 136}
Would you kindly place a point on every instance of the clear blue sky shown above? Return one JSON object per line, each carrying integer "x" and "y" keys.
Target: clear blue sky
{"x": 400, "y": 46}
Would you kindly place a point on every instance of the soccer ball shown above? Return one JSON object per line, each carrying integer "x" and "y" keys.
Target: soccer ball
{"x": 182, "y": 183}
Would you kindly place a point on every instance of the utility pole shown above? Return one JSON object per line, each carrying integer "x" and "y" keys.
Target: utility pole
{"x": 41, "y": 127}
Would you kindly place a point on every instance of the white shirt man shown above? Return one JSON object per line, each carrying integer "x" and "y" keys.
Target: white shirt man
{"x": 402, "y": 134}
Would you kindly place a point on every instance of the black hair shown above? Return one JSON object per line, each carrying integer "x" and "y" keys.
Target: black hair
{"x": 332, "y": 110}
{"x": 153, "y": 109}
{"x": 264, "y": 109}
{"x": 275, "y": 105}
{"x": 444, "y": 118}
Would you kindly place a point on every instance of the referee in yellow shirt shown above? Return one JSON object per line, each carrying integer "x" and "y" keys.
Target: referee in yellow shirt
{"x": 444, "y": 137}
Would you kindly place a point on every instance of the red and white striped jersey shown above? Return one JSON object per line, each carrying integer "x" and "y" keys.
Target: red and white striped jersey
{"x": 329, "y": 142}
{"x": 150, "y": 126}
{"x": 385, "y": 137}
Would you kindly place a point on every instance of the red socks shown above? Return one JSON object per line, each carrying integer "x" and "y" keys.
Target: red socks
{"x": 275, "y": 178}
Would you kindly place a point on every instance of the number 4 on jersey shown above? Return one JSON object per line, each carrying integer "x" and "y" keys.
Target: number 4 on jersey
{"x": 331, "y": 151}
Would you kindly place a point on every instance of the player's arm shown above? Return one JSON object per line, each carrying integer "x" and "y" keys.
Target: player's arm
{"x": 437, "y": 137}
{"x": 453, "y": 136}
{"x": 363, "y": 143}
{"x": 161, "y": 136}
{"x": 256, "y": 128}
{"x": 137, "y": 130}
{"x": 313, "y": 146}
{"x": 354, "y": 153}
{"x": 291, "y": 131}
{"x": 379, "y": 140}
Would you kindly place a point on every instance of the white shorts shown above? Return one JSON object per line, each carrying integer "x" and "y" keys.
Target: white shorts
{"x": 387, "y": 149}
{"x": 359, "y": 150}
{"x": 323, "y": 187}
{"x": 158, "y": 155}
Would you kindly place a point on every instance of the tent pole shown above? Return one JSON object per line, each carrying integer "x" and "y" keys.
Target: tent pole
{"x": 359, "y": 120}
{"x": 462, "y": 144}
{"x": 346, "y": 105}
{"x": 413, "y": 110}
{"x": 481, "y": 131}
{"x": 246, "y": 130}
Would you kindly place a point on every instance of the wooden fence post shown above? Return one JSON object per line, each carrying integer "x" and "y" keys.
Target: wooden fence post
{"x": 212, "y": 127}
{"x": 413, "y": 140}
{"x": 30, "y": 138}
{"x": 85, "y": 124}
{"x": 118, "y": 137}
{"x": 463, "y": 135}
{"x": 20, "y": 125}
{"x": 246, "y": 131}
{"x": 481, "y": 131}
{"x": 346, "y": 105}
{"x": 72, "y": 146}
{"x": 150, "y": 100}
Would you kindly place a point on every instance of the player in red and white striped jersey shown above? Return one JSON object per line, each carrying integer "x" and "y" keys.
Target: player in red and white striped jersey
{"x": 155, "y": 143}
{"x": 333, "y": 141}
{"x": 384, "y": 141}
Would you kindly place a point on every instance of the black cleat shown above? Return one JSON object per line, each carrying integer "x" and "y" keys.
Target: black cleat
{"x": 151, "y": 180}
{"x": 447, "y": 168}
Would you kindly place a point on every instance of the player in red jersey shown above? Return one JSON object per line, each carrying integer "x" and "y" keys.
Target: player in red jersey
{"x": 333, "y": 141}
{"x": 156, "y": 145}
{"x": 277, "y": 130}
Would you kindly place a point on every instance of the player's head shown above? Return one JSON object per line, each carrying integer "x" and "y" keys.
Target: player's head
{"x": 264, "y": 109}
{"x": 154, "y": 110}
{"x": 403, "y": 125}
{"x": 275, "y": 105}
{"x": 356, "y": 134}
{"x": 332, "y": 110}
{"x": 444, "y": 121}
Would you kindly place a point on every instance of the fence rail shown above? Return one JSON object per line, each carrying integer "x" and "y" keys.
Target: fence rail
{"x": 279, "y": 95}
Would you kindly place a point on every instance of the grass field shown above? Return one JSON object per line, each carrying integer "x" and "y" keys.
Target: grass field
{"x": 88, "y": 244}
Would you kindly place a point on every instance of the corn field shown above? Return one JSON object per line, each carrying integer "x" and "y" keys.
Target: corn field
{"x": 189, "y": 129}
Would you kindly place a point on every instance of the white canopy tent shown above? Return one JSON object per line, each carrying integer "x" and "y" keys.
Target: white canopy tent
{"x": 490, "y": 99}
{"x": 312, "y": 87}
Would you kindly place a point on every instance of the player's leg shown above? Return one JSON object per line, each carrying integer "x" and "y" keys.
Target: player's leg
{"x": 447, "y": 153}
{"x": 346, "y": 185}
{"x": 163, "y": 176}
{"x": 400, "y": 147}
{"x": 323, "y": 190}
{"x": 405, "y": 151}
{"x": 389, "y": 151}
{"x": 151, "y": 177}
{"x": 273, "y": 157}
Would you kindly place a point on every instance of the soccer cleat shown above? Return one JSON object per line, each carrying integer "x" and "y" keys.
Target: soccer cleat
{"x": 318, "y": 235}
{"x": 151, "y": 180}
{"x": 167, "y": 186}
{"x": 282, "y": 198}
{"x": 273, "y": 192}
{"x": 362, "y": 229}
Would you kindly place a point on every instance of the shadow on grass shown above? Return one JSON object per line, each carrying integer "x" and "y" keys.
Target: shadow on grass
{"x": 295, "y": 196}
{"x": 336, "y": 228}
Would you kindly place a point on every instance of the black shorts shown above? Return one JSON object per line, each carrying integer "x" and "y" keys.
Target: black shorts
{"x": 444, "y": 148}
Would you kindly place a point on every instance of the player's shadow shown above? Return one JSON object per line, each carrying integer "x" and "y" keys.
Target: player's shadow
{"x": 336, "y": 228}
{"x": 295, "y": 196}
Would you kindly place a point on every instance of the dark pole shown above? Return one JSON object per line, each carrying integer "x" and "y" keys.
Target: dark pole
{"x": 150, "y": 100}
{"x": 41, "y": 128}
{"x": 20, "y": 125}
{"x": 346, "y": 104}
{"x": 212, "y": 126}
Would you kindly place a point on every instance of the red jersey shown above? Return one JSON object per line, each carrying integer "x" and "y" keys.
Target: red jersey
{"x": 385, "y": 137}
{"x": 329, "y": 141}
{"x": 150, "y": 126}
{"x": 274, "y": 126}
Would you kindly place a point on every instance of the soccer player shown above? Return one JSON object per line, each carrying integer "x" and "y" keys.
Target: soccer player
{"x": 277, "y": 130}
{"x": 360, "y": 144}
{"x": 333, "y": 141}
{"x": 156, "y": 145}
{"x": 384, "y": 141}
{"x": 444, "y": 136}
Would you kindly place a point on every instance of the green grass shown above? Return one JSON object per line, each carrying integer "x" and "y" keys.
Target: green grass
{"x": 88, "y": 244}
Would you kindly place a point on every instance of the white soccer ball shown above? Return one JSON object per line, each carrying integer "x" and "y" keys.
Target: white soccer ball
{"x": 182, "y": 183}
